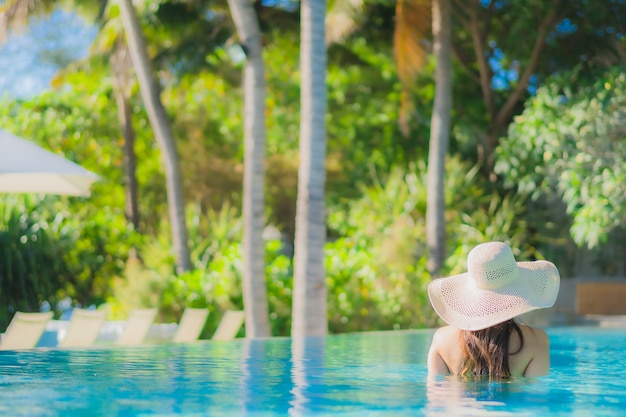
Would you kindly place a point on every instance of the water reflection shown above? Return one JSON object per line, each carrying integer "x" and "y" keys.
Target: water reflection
{"x": 376, "y": 374}
{"x": 307, "y": 368}
{"x": 264, "y": 386}
{"x": 451, "y": 396}
{"x": 358, "y": 373}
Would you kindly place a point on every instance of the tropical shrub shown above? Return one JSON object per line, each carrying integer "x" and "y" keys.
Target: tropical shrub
{"x": 376, "y": 268}
{"x": 570, "y": 141}
{"x": 215, "y": 282}
{"x": 31, "y": 266}
{"x": 50, "y": 255}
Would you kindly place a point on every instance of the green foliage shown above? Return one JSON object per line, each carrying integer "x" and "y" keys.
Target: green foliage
{"x": 376, "y": 257}
{"x": 80, "y": 123}
{"x": 364, "y": 95}
{"x": 376, "y": 270}
{"x": 31, "y": 266}
{"x": 364, "y": 100}
{"x": 215, "y": 282}
{"x": 570, "y": 139}
{"x": 50, "y": 254}
{"x": 101, "y": 244}
{"x": 90, "y": 236}
{"x": 376, "y": 266}
{"x": 374, "y": 280}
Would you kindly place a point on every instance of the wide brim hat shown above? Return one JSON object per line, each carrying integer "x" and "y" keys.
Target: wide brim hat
{"x": 494, "y": 289}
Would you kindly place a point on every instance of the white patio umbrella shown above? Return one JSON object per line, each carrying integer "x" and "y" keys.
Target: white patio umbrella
{"x": 27, "y": 168}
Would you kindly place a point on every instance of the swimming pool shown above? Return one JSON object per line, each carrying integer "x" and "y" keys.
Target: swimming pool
{"x": 365, "y": 374}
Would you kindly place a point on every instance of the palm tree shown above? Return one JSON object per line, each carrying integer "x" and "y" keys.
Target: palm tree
{"x": 413, "y": 18}
{"x": 122, "y": 82}
{"x": 115, "y": 50}
{"x": 439, "y": 136}
{"x": 150, "y": 92}
{"x": 254, "y": 285}
{"x": 16, "y": 13}
{"x": 309, "y": 287}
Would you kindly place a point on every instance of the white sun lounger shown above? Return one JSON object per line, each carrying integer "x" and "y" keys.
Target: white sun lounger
{"x": 190, "y": 325}
{"x": 24, "y": 330}
{"x": 229, "y": 326}
{"x": 137, "y": 326}
{"x": 83, "y": 328}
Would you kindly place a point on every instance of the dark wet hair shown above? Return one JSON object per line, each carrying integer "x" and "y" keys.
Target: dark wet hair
{"x": 486, "y": 351}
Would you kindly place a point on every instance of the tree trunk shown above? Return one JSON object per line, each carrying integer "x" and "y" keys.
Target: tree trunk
{"x": 162, "y": 131}
{"x": 254, "y": 285}
{"x": 121, "y": 66}
{"x": 439, "y": 136}
{"x": 309, "y": 287}
{"x": 500, "y": 114}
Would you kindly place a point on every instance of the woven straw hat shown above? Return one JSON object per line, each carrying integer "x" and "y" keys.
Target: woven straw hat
{"x": 495, "y": 288}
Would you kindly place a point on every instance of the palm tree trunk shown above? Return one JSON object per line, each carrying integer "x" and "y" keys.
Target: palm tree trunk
{"x": 254, "y": 285}
{"x": 121, "y": 67}
{"x": 439, "y": 136}
{"x": 309, "y": 293}
{"x": 162, "y": 131}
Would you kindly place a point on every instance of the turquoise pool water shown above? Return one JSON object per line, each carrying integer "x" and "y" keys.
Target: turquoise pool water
{"x": 368, "y": 374}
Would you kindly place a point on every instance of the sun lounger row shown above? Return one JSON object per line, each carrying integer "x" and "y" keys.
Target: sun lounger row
{"x": 84, "y": 327}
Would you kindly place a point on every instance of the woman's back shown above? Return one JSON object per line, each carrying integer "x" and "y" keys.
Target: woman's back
{"x": 446, "y": 354}
{"x": 481, "y": 305}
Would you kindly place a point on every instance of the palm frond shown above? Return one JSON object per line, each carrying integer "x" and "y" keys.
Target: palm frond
{"x": 342, "y": 18}
{"x": 14, "y": 14}
{"x": 413, "y": 22}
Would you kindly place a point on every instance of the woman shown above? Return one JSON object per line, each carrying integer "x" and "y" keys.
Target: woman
{"x": 482, "y": 339}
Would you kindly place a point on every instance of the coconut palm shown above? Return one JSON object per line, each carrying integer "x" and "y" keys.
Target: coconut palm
{"x": 150, "y": 92}
{"x": 413, "y": 20}
{"x": 254, "y": 286}
{"x": 309, "y": 315}
{"x": 15, "y": 14}
{"x": 122, "y": 83}
{"x": 439, "y": 136}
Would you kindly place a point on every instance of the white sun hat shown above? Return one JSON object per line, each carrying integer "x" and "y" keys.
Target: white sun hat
{"x": 494, "y": 289}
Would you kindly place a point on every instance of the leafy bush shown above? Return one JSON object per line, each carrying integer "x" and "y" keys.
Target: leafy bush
{"x": 570, "y": 139}
{"x": 374, "y": 278}
{"x": 215, "y": 283}
{"x": 31, "y": 266}
{"x": 50, "y": 254}
{"x": 377, "y": 276}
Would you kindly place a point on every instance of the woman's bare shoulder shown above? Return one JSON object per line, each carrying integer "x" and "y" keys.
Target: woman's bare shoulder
{"x": 442, "y": 355}
{"x": 446, "y": 341}
{"x": 445, "y": 333}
